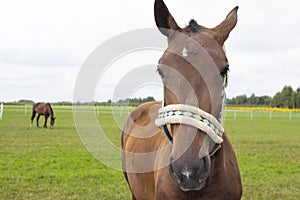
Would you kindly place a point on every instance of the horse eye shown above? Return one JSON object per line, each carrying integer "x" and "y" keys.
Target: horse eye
{"x": 224, "y": 71}
{"x": 160, "y": 73}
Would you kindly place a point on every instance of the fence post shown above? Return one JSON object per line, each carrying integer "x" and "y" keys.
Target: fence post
{"x": 251, "y": 114}
{"x": 234, "y": 114}
{"x": 1, "y": 110}
{"x": 270, "y": 115}
{"x": 290, "y": 115}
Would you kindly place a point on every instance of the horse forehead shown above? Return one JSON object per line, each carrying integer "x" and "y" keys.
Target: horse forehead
{"x": 203, "y": 36}
{"x": 200, "y": 41}
{"x": 200, "y": 55}
{"x": 207, "y": 44}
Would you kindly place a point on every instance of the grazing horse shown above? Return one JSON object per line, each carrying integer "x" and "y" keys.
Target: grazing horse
{"x": 42, "y": 109}
{"x": 179, "y": 150}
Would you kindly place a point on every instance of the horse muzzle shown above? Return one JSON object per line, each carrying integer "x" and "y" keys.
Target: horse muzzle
{"x": 191, "y": 175}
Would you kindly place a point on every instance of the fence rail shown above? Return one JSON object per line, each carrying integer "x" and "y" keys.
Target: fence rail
{"x": 230, "y": 112}
{"x": 261, "y": 114}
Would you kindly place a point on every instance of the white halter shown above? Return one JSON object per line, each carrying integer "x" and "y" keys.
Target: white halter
{"x": 194, "y": 116}
{"x": 190, "y": 115}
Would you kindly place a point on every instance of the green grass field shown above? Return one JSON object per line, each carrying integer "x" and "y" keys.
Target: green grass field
{"x": 38, "y": 163}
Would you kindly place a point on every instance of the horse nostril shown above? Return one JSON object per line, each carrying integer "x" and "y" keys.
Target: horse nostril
{"x": 171, "y": 169}
{"x": 206, "y": 165}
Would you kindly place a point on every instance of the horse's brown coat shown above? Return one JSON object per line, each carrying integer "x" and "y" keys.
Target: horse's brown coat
{"x": 224, "y": 180}
{"x": 43, "y": 109}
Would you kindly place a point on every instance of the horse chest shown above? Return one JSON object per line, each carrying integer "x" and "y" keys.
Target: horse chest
{"x": 219, "y": 187}
{"x": 165, "y": 192}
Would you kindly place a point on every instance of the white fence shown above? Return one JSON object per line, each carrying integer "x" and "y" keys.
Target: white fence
{"x": 1, "y": 110}
{"x": 242, "y": 114}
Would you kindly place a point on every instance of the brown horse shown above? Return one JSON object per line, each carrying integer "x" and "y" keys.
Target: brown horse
{"x": 43, "y": 109}
{"x": 185, "y": 153}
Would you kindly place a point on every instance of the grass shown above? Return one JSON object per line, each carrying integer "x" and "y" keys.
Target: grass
{"x": 38, "y": 163}
{"x": 268, "y": 153}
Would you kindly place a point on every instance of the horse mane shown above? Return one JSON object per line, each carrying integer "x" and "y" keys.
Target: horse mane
{"x": 51, "y": 111}
{"x": 193, "y": 26}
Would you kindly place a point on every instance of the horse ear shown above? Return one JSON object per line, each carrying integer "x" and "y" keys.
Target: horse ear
{"x": 225, "y": 27}
{"x": 163, "y": 18}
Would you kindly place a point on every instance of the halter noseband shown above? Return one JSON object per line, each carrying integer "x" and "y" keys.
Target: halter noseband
{"x": 189, "y": 115}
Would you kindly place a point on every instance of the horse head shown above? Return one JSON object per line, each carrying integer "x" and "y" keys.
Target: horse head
{"x": 52, "y": 121}
{"x": 193, "y": 70}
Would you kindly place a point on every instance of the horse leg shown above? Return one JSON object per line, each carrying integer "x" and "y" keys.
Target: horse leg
{"x": 32, "y": 118}
{"x": 45, "y": 124}
{"x": 37, "y": 120}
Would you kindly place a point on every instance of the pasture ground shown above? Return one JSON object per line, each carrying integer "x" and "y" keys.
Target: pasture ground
{"x": 38, "y": 163}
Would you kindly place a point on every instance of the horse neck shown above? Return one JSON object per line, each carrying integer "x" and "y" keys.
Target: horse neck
{"x": 50, "y": 111}
{"x": 225, "y": 158}
{"x": 227, "y": 170}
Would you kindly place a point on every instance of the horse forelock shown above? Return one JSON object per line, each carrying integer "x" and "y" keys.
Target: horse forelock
{"x": 193, "y": 26}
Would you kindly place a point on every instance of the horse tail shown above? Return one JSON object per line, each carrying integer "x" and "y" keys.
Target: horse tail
{"x": 33, "y": 113}
{"x": 34, "y": 106}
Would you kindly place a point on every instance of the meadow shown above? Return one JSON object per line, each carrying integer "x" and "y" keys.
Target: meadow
{"x": 39, "y": 163}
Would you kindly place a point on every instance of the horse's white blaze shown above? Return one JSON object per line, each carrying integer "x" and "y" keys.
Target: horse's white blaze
{"x": 186, "y": 173}
{"x": 184, "y": 52}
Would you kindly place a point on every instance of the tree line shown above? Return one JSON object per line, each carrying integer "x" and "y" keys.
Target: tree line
{"x": 126, "y": 102}
{"x": 286, "y": 98}
{"x": 121, "y": 102}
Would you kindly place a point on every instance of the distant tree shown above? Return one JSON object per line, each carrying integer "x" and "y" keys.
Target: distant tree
{"x": 252, "y": 100}
{"x": 263, "y": 100}
{"x": 25, "y": 101}
{"x": 148, "y": 99}
{"x": 297, "y": 98}
{"x": 230, "y": 101}
{"x": 276, "y": 101}
{"x": 241, "y": 100}
{"x": 287, "y": 97}
{"x": 134, "y": 101}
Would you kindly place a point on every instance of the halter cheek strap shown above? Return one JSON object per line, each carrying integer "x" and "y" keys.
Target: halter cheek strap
{"x": 190, "y": 115}
{"x": 170, "y": 138}
{"x": 167, "y": 133}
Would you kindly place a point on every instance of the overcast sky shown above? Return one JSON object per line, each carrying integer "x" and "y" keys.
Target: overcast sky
{"x": 43, "y": 44}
